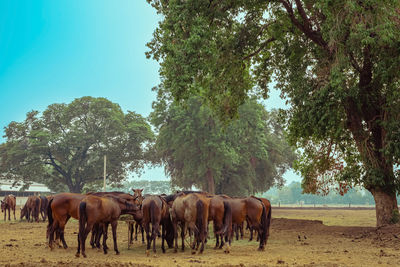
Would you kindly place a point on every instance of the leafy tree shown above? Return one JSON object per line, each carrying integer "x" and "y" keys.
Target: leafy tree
{"x": 336, "y": 62}
{"x": 65, "y": 145}
{"x": 246, "y": 156}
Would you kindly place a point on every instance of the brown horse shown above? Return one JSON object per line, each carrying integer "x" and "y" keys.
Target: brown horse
{"x": 138, "y": 217}
{"x": 252, "y": 210}
{"x": 191, "y": 211}
{"x": 63, "y": 206}
{"x": 33, "y": 208}
{"x": 24, "y": 213}
{"x": 44, "y": 203}
{"x": 137, "y": 193}
{"x": 8, "y": 203}
{"x": 268, "y": 207}
{"x": 100, "y": 210}
{"x": 155, "y": 210}
{"x": 220, "y": 212}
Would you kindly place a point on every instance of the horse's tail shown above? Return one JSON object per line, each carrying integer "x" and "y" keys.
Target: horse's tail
{"x": 264, "y": 223}
{"x": 199, "y": 216}
{"x": 82, "y": 218}
{"x": 50, "y": 217}
{"x": 227, "y": 218}
{"x": 268, "y": 223}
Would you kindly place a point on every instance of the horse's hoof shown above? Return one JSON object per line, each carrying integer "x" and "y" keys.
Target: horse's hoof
{"x": 117, "y": 253}
{"x": 193, "y": 252}
{"x": 77, "y": 255}
{"x": 261, "y": 249}
{"x": 147, "y": 252}
{"x": 84, "y": 255}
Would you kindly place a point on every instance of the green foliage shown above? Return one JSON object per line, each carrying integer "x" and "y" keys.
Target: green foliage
{"x": 336, "y": 62}
{"x": 64, "y": 146}
{"x": 245, "y": 156}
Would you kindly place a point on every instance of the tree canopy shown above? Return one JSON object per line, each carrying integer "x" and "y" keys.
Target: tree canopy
{"x": 336, "y": 62}
{"x": 247, "y": 156}
{"x": 64, "y": 146}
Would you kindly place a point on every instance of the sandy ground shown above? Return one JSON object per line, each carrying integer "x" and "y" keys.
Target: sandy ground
{"x": 293, "y": 242}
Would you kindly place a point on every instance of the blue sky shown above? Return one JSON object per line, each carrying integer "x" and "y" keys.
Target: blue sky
{"x": 56, "y": 51}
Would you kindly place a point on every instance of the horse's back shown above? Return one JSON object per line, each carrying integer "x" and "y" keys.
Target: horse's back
{"x": 66, "y": 204}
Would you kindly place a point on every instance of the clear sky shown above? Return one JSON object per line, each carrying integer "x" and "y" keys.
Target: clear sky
{"x": 56, "y": 51}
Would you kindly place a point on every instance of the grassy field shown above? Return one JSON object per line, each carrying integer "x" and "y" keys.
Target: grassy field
{"x": 331, "y": 217}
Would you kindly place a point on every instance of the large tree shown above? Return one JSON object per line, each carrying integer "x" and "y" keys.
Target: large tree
{"x": 64, "y": 146}
{"x": 247, "y": 156}
{"x": 336, "y": 62}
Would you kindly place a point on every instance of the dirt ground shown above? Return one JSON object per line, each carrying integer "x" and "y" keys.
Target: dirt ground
{"x": 293, "y": 242}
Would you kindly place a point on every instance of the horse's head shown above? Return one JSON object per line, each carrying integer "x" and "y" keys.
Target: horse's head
{"x": 137, "y": 193}
{"x": 3, "y": 205}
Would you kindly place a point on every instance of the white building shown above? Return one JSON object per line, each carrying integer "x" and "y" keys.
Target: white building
{"x": 7, "y": 188}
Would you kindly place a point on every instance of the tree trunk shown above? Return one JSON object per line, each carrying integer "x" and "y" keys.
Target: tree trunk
{"x": 210, "y": 182}
{"x": 75, "y": 188}
{"x": 386, "y": 207}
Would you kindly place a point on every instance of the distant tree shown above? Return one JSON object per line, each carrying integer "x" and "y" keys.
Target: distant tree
{"x": 64, "y": 147}
{"x": 337, "y": 62}
{"x": 248, "y": 155}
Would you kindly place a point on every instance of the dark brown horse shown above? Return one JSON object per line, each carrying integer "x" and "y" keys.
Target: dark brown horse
{"x": 252, "y": 210}
{"x": 24, "y": 213}
{"x": 156, "y": 211}
{"x": 102, "y": 211}
{"x": 191, "y": 211}
{"x": 8, "y": 203}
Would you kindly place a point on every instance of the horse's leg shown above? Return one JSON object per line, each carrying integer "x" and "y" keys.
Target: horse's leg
{"x": 105, "y": 236}
{"x": 142, "y": 230}
{"x": 154, "y": 235}
{"x": 9, "y": 213}
{"x": 98, "y": 235}
{"x": 14, "y": 214}
{"x": 216, "y": 241}
{"x": 163, "y": 238}
{"x": 131, "y": 230}
{"x": 241, "y": 230}
{"x": 114, "y": 225}
{"x": 136, "y": 227}
{"x": 147, "y": 230}
{"x": 83, "y": 239}
{"x": 175, "y": 226}
{"x": 78, "y": 251}
{"x": 183, "y": 228}
{"x": 61, "y": 232}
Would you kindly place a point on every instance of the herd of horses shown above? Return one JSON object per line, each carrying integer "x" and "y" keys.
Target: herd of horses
{"x": 157, "y": 215}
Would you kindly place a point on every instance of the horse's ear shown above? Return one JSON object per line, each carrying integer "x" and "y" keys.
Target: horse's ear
{"x": 141, "y": 190}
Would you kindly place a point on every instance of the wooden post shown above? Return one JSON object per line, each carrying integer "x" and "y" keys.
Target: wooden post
{"x": 104, "y": 184}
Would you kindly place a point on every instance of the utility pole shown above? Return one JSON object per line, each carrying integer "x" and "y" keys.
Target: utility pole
{"x": 105, "y": 158}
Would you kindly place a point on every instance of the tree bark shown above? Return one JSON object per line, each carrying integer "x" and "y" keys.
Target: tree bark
{"x": 210, "y": 182}
{"x": 385, "y": 206}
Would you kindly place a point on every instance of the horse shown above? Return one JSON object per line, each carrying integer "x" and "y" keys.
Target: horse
{"x": 44, "y": 202}
{"x": 268, "y": 207}
{"x": 137, "y": 193}
{"x": 190, "y": 211}
{"x": 63, "y": 206}
{"x": 220, "y": 212}
{"x": 253, "y": 210}
{"x": 8, "y": 203}
{"x": 155, "y": 210}
{"x": 24, "y": 213}
{"x": 33, "y": 208}
{"x": 100, "y": 210}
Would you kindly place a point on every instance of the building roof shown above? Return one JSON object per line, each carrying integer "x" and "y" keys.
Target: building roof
{"x": 7, "y": 185}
